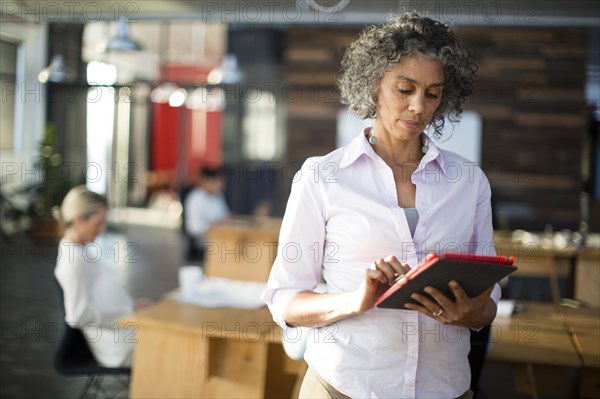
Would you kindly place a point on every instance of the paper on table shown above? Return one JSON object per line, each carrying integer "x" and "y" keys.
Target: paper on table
{"x": 213, "y": 292}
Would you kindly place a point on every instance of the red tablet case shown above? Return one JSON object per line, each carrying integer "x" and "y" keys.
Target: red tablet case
{"x": 474, "y": 273}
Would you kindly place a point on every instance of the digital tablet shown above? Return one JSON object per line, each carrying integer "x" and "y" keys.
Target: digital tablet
{"x": 474, "y": 273}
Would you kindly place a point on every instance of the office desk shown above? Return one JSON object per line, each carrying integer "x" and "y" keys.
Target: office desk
{"x": 186, "y": 351}
{"x": 584, "y": 326}
{"x": 242, "y": 248}
{"x": 545, "y": 335}
{"x": 587, "y": 277}
{"x": 581, "y": 266}
{"x": 534, "y": 336}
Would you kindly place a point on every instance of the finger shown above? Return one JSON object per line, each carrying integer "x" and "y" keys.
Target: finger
{"x": 399, "y": 267}
{"x": 425, "y": 310}
{"x": 426, "y": 302}
{"x": 486, "y": 294}
{"x": 458, "y": 291}
{"x": 387, "y": 270}
{"x": 376, "y": 275}
{"x": 439, "y": 297}
{"x": 418, "y": 308}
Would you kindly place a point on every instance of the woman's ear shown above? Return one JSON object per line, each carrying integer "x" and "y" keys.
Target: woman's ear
{"x": 373, "y": 110}
{"x": 78, "y": 221}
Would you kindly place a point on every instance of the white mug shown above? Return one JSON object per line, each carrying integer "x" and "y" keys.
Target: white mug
{"x": 189, "y": 278}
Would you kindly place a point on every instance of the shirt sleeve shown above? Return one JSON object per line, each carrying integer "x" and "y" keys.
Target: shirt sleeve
{"x": 296, "y": 268}
{"x": 482, "y": 240}
{"x": 75, "y": 281}
{"x": 81, "y": 286}
{"x": 203, "y": 210}
{"x": 195, "y": 210}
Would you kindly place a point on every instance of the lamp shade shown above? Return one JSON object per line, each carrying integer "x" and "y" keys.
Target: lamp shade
{"x": 56, "y": 72}
{"x": 122, "y": 41}
{"x": 227, "y": 72}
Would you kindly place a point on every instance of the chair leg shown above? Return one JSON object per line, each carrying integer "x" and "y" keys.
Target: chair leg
{"x": 93, "y": 387}
{"x": 90, "y": 383}
{"x": 123, "y": 385}
{"x": 98, "y": 386}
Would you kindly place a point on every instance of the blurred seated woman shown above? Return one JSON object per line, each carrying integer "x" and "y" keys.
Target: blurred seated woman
{"x": 94, "y": 300}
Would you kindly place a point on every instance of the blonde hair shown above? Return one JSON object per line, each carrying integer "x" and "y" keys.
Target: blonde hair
{"x": 79, "y": 202}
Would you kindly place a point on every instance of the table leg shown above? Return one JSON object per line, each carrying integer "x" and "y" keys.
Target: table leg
{"x": 531, "y": 374}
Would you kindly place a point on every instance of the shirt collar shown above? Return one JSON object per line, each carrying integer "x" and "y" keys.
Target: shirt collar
{"x": 360, "y": 146}
{"x": 357, "y": 147}
{"x": 433, "y": 154}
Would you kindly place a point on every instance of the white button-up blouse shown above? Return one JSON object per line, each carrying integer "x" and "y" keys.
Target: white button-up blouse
{"x": 341, "y": 215}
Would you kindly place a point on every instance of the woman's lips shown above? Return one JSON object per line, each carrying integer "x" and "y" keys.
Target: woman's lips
{"x": 410, "y": 124}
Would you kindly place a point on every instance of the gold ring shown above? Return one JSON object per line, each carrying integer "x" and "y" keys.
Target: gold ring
{"x": 438, "y": 313}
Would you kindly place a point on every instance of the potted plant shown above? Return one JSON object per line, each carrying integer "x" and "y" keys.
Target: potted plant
{"x": 49, "y": 188}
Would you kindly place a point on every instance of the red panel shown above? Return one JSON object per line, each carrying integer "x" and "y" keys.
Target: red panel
{"x": 165, "y": 130}
{"x": 213, "y": 142}
{"x": 184, "y": 74}
{"x": 196, "y": 140}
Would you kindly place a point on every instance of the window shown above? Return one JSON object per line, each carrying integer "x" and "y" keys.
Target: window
{"x": 8, "y": 90}
{"x": 260, "y": 139}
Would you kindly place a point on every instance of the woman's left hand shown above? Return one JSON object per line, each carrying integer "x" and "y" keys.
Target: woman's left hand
{"x": 478, "y": 311}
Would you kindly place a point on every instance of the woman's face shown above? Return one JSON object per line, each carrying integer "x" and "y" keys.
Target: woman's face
{"x": 88, "y": 229}
{"x": 214, "y": 185}
{"x": 408, "y": 96}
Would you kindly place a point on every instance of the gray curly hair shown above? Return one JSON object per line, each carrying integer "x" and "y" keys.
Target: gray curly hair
{"x": 380, "y": 47}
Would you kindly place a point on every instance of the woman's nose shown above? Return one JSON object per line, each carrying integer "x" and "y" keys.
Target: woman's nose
{"x": 416, "y": 103}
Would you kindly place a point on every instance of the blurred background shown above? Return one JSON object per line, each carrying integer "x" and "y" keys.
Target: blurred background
{"x": 131, "y": 98}
{"x": 252, "y": 85}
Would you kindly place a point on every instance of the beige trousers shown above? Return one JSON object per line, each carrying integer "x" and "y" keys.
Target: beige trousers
{"x": 315, "y": 387}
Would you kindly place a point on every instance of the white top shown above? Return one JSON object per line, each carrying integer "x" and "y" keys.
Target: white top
{"x": 94, "y": 301}
{"x": 202, "y": 210}
{"x": 343, "y": 214}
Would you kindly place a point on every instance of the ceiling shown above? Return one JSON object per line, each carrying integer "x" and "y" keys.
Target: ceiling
{"x": 314, "y": 12}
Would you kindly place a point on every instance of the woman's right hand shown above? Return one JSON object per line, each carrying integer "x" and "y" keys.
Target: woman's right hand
{"x": 378, "y": 278}
{"x": 310, "y": 309}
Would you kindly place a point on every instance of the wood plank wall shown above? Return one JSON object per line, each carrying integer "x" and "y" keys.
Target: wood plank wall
{"x": 312, "y": 59}
{"x": 530, "y": 93}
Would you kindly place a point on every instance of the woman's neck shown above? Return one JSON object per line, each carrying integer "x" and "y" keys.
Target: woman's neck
{"x": 397, "y": 152}
{"x": 70, "y": 235}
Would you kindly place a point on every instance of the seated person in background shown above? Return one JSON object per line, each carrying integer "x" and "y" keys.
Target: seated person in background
{"x": 94, "y": 300}
{"x": 205, "y": 205}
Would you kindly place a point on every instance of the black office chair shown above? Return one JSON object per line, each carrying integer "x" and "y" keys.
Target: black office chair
{"x": 194, "y": 254}
{"x": 73, "y": 358}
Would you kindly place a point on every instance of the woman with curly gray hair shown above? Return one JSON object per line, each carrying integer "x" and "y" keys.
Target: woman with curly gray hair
{"x": 364, "y": 214}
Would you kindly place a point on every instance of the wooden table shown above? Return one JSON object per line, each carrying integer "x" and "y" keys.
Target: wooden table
{"x": 242, "y": 248}
{"x": 581, "y": 266}
{"x": 537, "y": 260}
{"x": 186, "y": 351}
{"x": 543, "y": 334}
{"x": 584, "y": 327}
{"x": 587, "y": 277}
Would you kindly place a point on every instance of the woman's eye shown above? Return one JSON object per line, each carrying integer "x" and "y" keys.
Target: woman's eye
{"x": 433, "y": 96}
